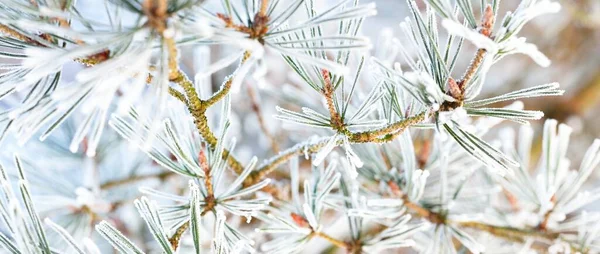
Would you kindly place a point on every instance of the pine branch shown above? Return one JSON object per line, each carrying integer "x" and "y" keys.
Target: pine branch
{"x": 223, "y": 91}
{"x": 391, "y": 129}
{"x": 299, "y": 44}
{"x": 310, "y": 147}
{"x": 328, "y": 92}
{"x": 178, "y": 95}
{"x": 508, "y": 233}
{"x": 487, "y": 24}
{"x": 88, "y": 61}
{"x": 210, "y": 194}
{"x": 197, "y": 109}
{"x": 226, "y": 87}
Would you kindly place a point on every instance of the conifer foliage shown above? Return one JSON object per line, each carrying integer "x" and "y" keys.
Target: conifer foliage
{"x": 118, "y": 146}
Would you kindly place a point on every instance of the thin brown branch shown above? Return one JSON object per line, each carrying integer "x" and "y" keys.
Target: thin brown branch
{"x": 302, "y": 222}
{"x": 339, "y": 243}
{"x": 261, "y": 121}
{"x": 203, "y": 161}
{"x": 209, "y": 199}
{"x": 156, "y": 12}
{"x": 310, "y": 147}
{"x": 226, "y": 87}
{"x": 509, "y": 233}
{"x": 472, "y": 69}
{"x": 216, "y": 97}
{"x": 210, "y": 194}
{"x": 136, "y": 178}
{"x": 329, "y": 92}
{"x": 264, "y": 5}
{"x": 197, "y": 109}
{"x": 174, "y": 240}
{"x": 178, "y": 95}
{"x": 259, "y": 27}
{"x": 173, "y": 62}
{"x": 414, "y": 207}
{"x": 397, "y": 127}
{"x": 457, "y": 89}
{"x": 281, "y": 158}
{"x": 487, "y": 24}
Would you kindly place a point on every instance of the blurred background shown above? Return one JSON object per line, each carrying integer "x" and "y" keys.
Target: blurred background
{"x": 101, "y": 188}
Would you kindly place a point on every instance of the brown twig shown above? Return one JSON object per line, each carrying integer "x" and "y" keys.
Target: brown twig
{"x": 339, "y": 243}
{"x": 264, "y": 4}
{"x": 174, "y": 240}
{"x": 508, "y": 233}
{"x": 209, "y": 200}
{"x": 310, "y": 147}
{"x": 544, "y": 223}
{"x": 197, "y": 109}
{"x": 414, "y": 207}
{"x": 393, "y": 128}
{"x": 259, "y": 27}
{"x": 210, "y": 195}
{"x": 470, "y": 72}
{"x": 261, "y": 120}
{"x": 136, "y": 178}
{"x": 156, "y": 13}
{"x": 487, "y": 24}
{"x": 329, "y": 92}
{"x": 302, "y": 222}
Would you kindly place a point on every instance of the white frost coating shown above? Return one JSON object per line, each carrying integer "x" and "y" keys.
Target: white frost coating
{"x": 322, "y": 154}
{"x": 218, "y": 65}
{"x": 424, "y": 82}
{"x": 298, "y": 147}
{"x": 90, "y": 246}
{"x": 351, "y": 155}
{"x": 310, "y": 217}
{"x": 479, "y": 40}
{"x": 529, "y": 10}
{"x": 519, "y": 45}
